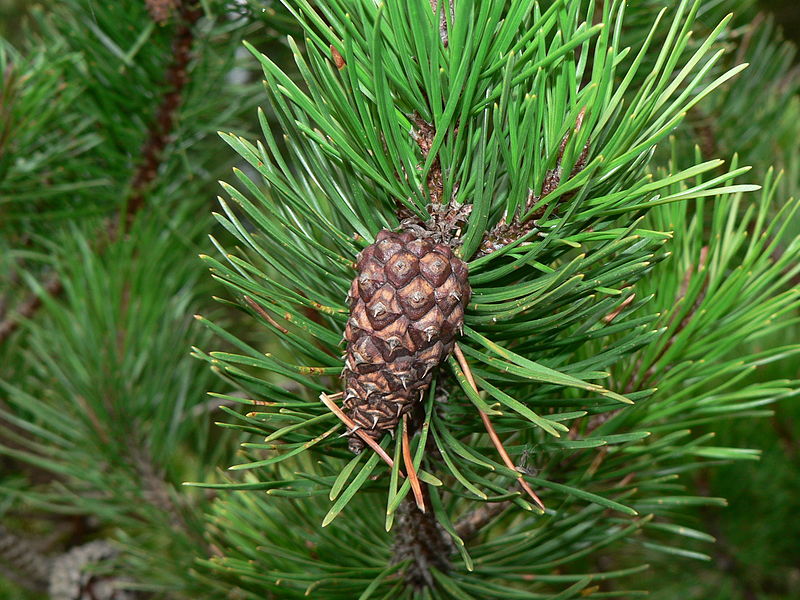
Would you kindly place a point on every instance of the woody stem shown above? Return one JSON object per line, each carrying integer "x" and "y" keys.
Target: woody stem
{"x": 421, "y": 541}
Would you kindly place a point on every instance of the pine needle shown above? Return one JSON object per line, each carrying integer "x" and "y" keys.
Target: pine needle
{"x": 412, "y": 472}
{"x": 326, "y": 400}
{"x": 491, "y": 431}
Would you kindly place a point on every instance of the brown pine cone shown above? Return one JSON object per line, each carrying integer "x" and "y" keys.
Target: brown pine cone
{"x": 406, "y": 306}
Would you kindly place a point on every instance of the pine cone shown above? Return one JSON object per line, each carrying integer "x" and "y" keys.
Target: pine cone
{"x": 406, "y": 305}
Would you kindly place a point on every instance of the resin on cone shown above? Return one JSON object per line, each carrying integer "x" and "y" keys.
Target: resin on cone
{"x": 406, "y": 307}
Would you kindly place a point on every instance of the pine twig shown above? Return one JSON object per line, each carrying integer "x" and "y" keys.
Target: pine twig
{"x": 12, "y": 280}
{"x": 161, "y": 129}
{"x": 439, "y": 7}
{"x": 498, "y": 444}
{"x": 424, "y": 133}
{"x": 73, "y": 577}
{"x": 161, "y": 10}
{"x": 152, "y": 152}
{"x": 446, "y": 217}
{"x": 643, "y": 381}
{"x": 508, "y": 231}
{"x": 421, "y": 541}
{"x": 472, "y": 523}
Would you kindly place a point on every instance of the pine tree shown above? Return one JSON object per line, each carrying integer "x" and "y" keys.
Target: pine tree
{"x": 511, "y": 253}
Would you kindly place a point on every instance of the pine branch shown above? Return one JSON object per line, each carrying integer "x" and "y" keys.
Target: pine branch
{"x": 445, "y": 218}
{"x": 643, "y": 382}
{"x": 424, "y": 134}
{"x": 473, "y": 523}
{"x": 151, "y": 157}
{"x": 507, "y": 232}
{"x": 12, "y": 280}
{"x": 547, "y": 319}
{"x": 65, "y": 576}
{"x": 72, "y": 577}
{"x": 176, "y": 78}
{"x": 439, "y": 7}
{"x": 422, "y": 541}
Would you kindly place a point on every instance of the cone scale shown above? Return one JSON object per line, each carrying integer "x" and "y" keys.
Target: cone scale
{"x": 406, "y": 307}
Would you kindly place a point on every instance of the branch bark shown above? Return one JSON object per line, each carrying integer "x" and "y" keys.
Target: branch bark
{"x": 508, "y": 231}
{"x": 421, "y": 541}
{"x": 159, "y": 134}
{"x": 472, "y": 523}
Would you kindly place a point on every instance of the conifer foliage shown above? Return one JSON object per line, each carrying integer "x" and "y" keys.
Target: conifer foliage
{"x": 587, "y": 356}
{"x": 487, "y": 278}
